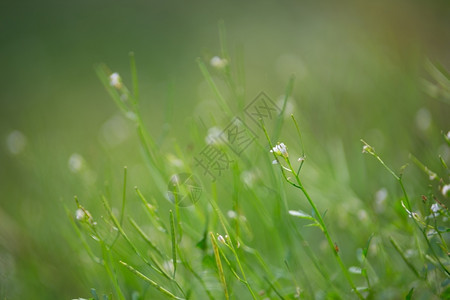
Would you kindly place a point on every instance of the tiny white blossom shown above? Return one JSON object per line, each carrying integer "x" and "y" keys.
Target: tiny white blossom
{"x": 221, "y": 239}
{"x": 355, "y": 270}
{"x": 249, "y": 177}
{"x": 410, "y": 253}
{"x": 131, "y": 115}
{"x": 274, "y": 162}
{"x": 300, "y": 159}
{"x": 214, "y": 136}
{"x": 280, "y": 149}
{"x": 75, "y": 162}
{"x": 362, "y": 215}
{"x": 218, "y": 62}
{"x": 445, "y": 189}
{"x": 231, "y": 214}
{"x": 115, "y": 80}
{"x": 16, "y": 142}
{"x": 448, "y": 135}
{"x": 435, "y": 208}
{"x": 431, "y": 232}
{"x": 79, "y": 214}
{"x": 365, "y": 149}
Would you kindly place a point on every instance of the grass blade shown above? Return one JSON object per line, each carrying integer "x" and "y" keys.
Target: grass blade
{"x": 174, "y": 244}
{"x": 219, "y": 265}
{"x": 152, "y": 283}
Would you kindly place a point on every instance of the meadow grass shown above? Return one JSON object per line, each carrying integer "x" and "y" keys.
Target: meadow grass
{"x": 263, "y": 229}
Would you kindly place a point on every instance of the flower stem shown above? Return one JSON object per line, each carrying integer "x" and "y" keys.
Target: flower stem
{"x": 325, "y": 230}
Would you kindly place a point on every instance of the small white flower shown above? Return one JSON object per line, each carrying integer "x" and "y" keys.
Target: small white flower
{"x": 131, "y": 115}
{"x": 362, "y": 215}
{"x": 214, "y": 136}
{"x": 218, "y": 62}
{"x": 448, "y": 135}
{"x": 299, "y": 213}
{"x": 365, "y": 149}
{"x": 249, "y": 177}
{"x": 274, "y": 162}
{"x": 355, "y": 270}
{"x": 232, "y": 214}
{"x": 435, "y": 208}
{"x": 124, "y": 97}
{"x": 280, "y": 149}
{"x": 410, "y": 253}
{"x": 16, "y": 142}
{"x": 445, "y": 189}
{"x": 300, "y": 159}
{"x": 76, "y": 162}
{"x": 221, "y": 239}
{"x": 431, "y": 232}
{"x": 79, "y": 214}
{"x": 423, "y": 119}
{"x": 115, "y": 80}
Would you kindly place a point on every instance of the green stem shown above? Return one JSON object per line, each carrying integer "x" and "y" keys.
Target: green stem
{"x": 325, "y": 230}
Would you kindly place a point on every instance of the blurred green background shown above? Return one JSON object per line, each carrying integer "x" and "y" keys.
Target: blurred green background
{"x": 359, "y": 69}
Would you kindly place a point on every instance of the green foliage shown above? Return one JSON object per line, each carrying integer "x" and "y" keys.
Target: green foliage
{"x": 324, "y": 222}
{"x": 238, "y": 239}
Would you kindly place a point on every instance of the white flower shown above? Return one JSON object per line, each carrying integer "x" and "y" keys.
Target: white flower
{"x": 218, "y": 63}
{"x": 79, "y": 214}
{"x": 435, "y": 208}
{"x": 16, "y": 142}
{"x": 115, "y": 80}
{"x": 362, "y": 215}
{"x": 76, "y": 162}
{"x": 231, "y": 214}
{"x": 448, "y": 135}
{"x": 366, "y": 149}
{"x": 249, "y": 177}
{"x": 214, "y": 136}
{"x": 274, "y": 162}
{"x": 280, "y": 149}
{"x": 423, "y": 119}
{"x": 355, "y": 270}
{"x": 300, "y": 159}
{"x": 445, "y": 189}
{"x": 221, "y": 239}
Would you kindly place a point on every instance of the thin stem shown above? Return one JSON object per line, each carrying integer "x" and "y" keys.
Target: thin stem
{"x": 318, "y": 218}
{"x": 325, "y": 231}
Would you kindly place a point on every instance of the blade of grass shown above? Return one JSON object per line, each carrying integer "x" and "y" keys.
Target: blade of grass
{"x": 146, "y": 238}
{"x": 221, "y": 100}
{"x": 280, "y": 118}
{"x": 174, "y": 243}
{"x": 402, "y": 255}
{"x": 219, "y": 265}
{"x": 152, "y": 283}
{"x": 134, "y": 80}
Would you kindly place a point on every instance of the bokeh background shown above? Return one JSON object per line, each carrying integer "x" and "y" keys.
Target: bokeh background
{"x": 360, "y": 71}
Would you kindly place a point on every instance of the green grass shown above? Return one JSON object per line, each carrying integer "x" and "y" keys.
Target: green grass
{"x": 324, "y": 220}
{"x": 287, "y": 232}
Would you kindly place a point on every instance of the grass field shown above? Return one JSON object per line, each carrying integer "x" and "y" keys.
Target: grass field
{"x": 293, "y": 151}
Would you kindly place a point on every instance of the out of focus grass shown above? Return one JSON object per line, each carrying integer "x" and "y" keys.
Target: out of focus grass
{"x": 360, "y": 71}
